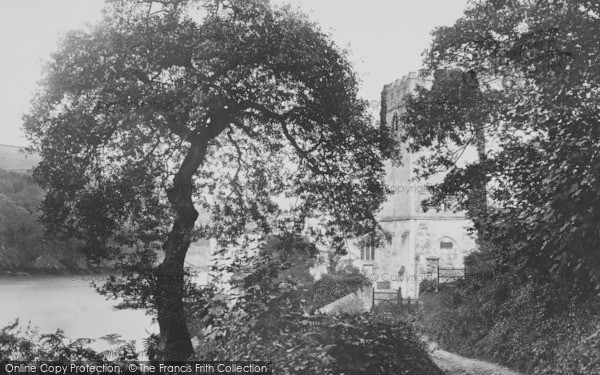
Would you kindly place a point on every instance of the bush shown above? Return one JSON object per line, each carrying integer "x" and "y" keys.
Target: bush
{"x": 18, "y": 344}
{"x": 527, "y": 326}
{"x": 333, "y": 286}
{"x": 270, "y": 322}
{"x": 362, "y": 344}
{"x": 371, "y": 344}
{"x": 427, "y": 286}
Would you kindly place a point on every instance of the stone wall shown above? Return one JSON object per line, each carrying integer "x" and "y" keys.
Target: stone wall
{"x": 354, "y": 303}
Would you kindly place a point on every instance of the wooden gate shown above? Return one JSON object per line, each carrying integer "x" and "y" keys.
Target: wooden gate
{"x": 391, "y": 302}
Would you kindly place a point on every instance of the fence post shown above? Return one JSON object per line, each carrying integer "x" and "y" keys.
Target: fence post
{"x": 399, "y": 299}
{"x": 373, "y": 300}
{"x": 437, "y": 288}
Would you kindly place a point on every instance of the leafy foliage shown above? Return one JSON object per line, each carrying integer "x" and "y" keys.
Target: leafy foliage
{"x": 427, "y": 286}
{"x": 162, "y": 107}
{"x": 269, "y": 321}
{"x": 19, "y": 201}
{"x": 148, "y": 82}
{"x": 444, "y": 123}
{"x": 536, "y": 77}
{"x": 531, "y": 71}
{"x": 18, "y": 344}
{"x": 529, "y": 327}
{"x": 333, "y": 286}
{"x": 22, "y": 238}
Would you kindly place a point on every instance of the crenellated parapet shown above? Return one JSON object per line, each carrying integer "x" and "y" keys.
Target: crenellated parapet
{"x": 396, "y": 92}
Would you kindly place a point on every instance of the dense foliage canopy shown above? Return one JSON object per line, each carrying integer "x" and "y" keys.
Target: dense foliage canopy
{"x": 270, "y": 321}
{"x": 166, "y": 106}
{"x": 529, "y": 73}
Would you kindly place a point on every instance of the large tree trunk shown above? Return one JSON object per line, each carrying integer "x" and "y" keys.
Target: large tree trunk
{"x": 479, "y": 204}
{"x": 478, "y": 200}
{"x": 177, "y": 345}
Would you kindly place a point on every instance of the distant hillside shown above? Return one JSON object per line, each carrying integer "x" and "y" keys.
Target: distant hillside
{"x": 21, "y": 245}
{"x": 14, "y": 158}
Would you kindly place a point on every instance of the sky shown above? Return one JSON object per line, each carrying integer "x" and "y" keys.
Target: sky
{"x": 385, "y": 38}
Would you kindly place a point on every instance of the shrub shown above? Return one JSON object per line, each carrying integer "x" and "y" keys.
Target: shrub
{"x": 427, "y": 286}
{"x": 361, "y": 344}
{"x": 526, "y": 326}
{"x": 18, "y": 344}
{"x": 269, "y": 322}
{"x": 369, "y": 344}
{"x": 333, "y": 286}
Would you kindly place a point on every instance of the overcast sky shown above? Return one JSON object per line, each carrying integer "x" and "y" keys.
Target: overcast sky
{"x": 386, "y": 38}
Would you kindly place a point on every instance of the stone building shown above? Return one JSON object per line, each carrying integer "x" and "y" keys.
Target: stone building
{"x": 419, "y": 242}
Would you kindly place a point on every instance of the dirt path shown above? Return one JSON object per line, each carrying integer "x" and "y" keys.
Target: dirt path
{"x": 453, "y": 364}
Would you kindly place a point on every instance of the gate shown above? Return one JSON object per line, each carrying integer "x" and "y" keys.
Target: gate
{"x": 447, "y": 277}
{"x": 391, "y": 302}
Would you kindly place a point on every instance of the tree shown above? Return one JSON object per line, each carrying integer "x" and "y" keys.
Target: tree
{"x": 445, "y": 120}
{"x": 166, "y": 105}
{"x": 543, "y": 165}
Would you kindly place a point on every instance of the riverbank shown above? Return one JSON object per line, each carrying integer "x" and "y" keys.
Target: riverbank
{"x": 61, "y": 272}
{"x": 15, "y": 261}
{"x": 69, "y": 303}
{"x": 24, "y": 248}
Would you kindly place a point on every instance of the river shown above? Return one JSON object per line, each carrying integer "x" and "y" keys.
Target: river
{"x": 69, "y": 303}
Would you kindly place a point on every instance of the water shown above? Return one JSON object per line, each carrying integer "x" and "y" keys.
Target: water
{"x": 69, "y": 303}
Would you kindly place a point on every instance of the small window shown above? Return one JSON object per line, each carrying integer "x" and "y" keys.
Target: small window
{"x": 445, "y": 244}
{"x": 395, "y": 122}
{"x": 367, "y": 251}
{"x": 384, "y": 285}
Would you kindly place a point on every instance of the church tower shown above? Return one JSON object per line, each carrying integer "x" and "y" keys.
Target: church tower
{"x": 419, "y": 242}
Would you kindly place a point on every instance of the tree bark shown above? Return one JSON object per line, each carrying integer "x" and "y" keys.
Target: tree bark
{"x": 478, "y": 199}
{"x": 177, "y": 345}
{"x": 480, "y": 190}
